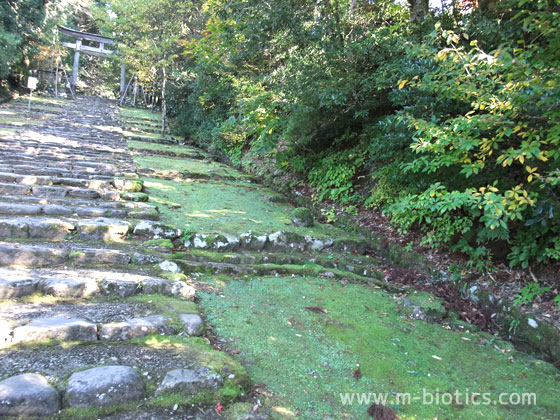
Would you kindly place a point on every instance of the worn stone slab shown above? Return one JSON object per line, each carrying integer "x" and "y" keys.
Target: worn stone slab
{"x": 49, "y": 192}
{"x": 31, "y": 256}
{"x": 193, "y": 324}
{"x": 189, "y": 382}
{"x": 60, "y": 327}
{"x": 16, "y": 209}
{"x": 153, "y": 230}
{"x": 14, "y": 189}
{"x": 57, "y": 210}
{"x": 29, "y": 394}
{"x": 164, "y": 287}
{"x": 83, "y": 193}
{"x": 121, "y": 288}
{"x": 68, "y": 287}
{"x": 104, "y": 386}
{"x": 103, "y": 229}
{"x": 135, "y": 327}
{"x": 15, "y": 288}
{"x": 99, "y": 257}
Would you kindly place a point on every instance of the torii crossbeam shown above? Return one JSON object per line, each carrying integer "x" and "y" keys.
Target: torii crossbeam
{"x": 98, "y": 51}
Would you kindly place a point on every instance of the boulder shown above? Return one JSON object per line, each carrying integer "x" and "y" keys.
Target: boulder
{"x": 302, "y": 216}
{"x": 193, "y": 324}
{"x": 189, "y": 382}
{"x": 135, "y": 327}
{"x": 29, "y": 394}
{"x": 103, "y": 386}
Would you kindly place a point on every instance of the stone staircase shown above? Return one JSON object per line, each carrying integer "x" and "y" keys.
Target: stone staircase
{"x": 92, "y": 325}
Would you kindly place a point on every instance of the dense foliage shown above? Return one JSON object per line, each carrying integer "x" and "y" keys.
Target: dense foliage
{"x": 449, "y": 124}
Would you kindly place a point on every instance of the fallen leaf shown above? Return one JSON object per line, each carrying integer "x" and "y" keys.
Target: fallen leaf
{"x": 316, "y": 309}
{"x": 357, "y": 374}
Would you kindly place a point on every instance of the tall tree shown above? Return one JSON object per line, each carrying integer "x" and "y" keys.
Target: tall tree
{"x": 152, "y": 35}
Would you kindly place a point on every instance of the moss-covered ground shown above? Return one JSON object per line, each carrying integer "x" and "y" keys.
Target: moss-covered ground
{"x": 308, "y": 339}
{"x": 306, "y": 358}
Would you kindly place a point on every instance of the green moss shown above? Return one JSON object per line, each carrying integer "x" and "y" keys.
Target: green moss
{"x": 162, "y": 243}
{"x": 315, "y": 354}
{"x": 201, "y": 353}
{"x": 302, "y": 216}
{"x": 169, "y": 306}
{"x": 145, "y": 114}
{"x": 95, "y": 412}
{"x": 222, "y": 208}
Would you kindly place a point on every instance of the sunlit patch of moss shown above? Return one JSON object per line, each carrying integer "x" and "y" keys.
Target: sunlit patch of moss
{"x": 316, "y": 353}
{"x": 201, "y": 353}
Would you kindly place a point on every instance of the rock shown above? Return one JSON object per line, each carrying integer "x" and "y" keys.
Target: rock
{"x": 532, "y": 323}
{"x": 193, "y": 324}
{"x": 190, "y": 381}
{"x": 145, "y": 259}
{"x": 121, "y": 288}
{"x": 103, "y": 229}
{"x": 131, "y": 185}
{"x": 69, "y": 287}
{"x": 29, "y": 394}
{"x": 31, "y": 256}
{"x": 423, "y": 305}
{"x": 17, "y": 287}
{"x": 302, "y": 216}
{"x": 169, "y": 266}
{"x": 60, "y": 327}
{"x": 103, "y": 386}
{"x": 154, "y": 230}
{"x": 134, "y": 196}
{"x": 284, "y": 241}
{"x": 99, "y": 256}
{"x": 136, "y": 327}
{"x": 19, "y": 209}
{"x": 252, "y": 242}
{"x": 170, "y": 288}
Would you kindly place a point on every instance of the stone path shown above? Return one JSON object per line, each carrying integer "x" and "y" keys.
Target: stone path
{"x": 90, "y": 323}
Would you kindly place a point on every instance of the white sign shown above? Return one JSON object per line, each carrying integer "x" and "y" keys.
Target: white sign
{"x": 32, "y": 83}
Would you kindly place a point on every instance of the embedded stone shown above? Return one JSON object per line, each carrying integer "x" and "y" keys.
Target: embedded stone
{"x": 102, "y": 229}
{"x": 69, "y": 287}
{"x": 152, "y": 230}
{"x": 135, "y": 327}
{"x": 169, "y": 266}
{"x": 121, "y": 288}
{"x": 60, "y": 327}
{"x": 29, "y": 394}
{"x": 14, "y": 287}
{"x": 175, "y": 288}
{"x": 193, "y": 324}
{"x": 190, "y": 381}
{"x": 302, "y": 216}
{"x": 104, "y": 386}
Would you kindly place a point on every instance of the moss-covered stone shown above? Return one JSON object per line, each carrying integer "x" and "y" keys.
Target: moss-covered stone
{"x": 302, "y": 216}
{"x": 134, "y": 196}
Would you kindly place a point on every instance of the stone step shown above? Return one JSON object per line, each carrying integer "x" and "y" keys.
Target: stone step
{"x": 360, "y": 265}
{"x": 48, "y": 192}
{"x": 63, "y": 254}
{"x": 22, "y": 209}
{"x": 73, "y": 203}
{"x": 366, "y": 275}
{"x": 121, "y": 184}
{"x": 10, "y": 177}
{"x": 66, "y": 171}
{"x": 82, "y": 283}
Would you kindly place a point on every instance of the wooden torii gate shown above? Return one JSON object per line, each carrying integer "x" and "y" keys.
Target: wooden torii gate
{"x": 98, "y": 51}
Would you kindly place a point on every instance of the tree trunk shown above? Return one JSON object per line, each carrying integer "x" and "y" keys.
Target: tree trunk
{"x": 418, "y": 10}
{"x": 163, "y": 104}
